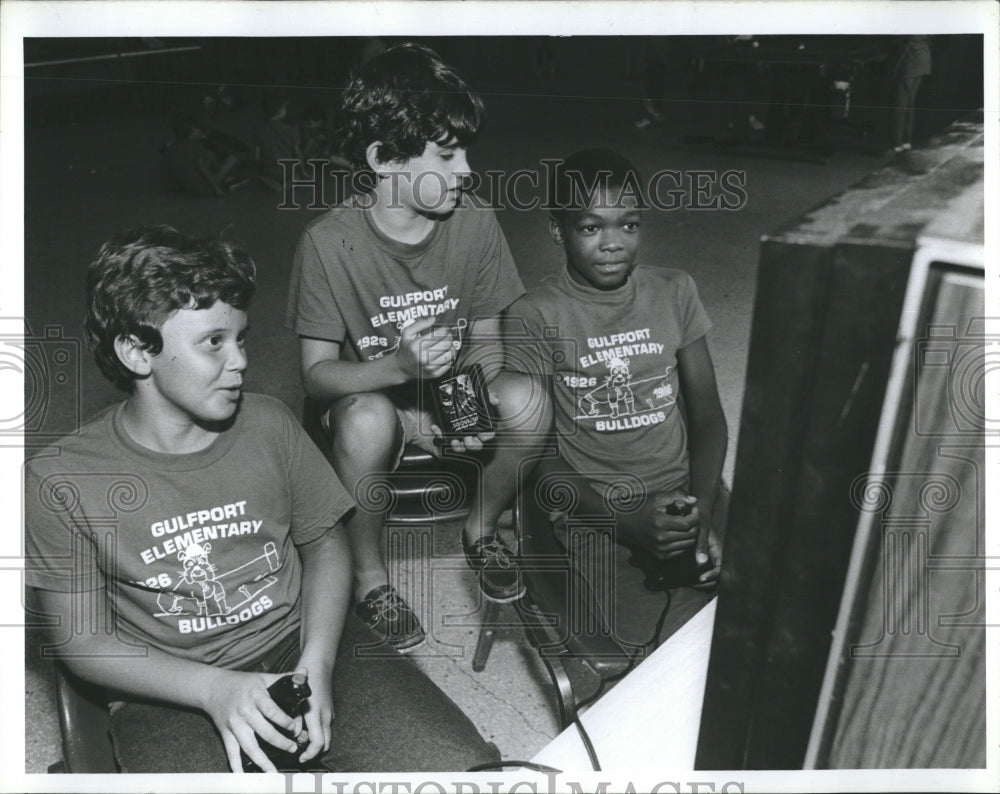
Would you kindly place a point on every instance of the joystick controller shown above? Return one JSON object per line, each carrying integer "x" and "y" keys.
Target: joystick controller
{"x": 289, "y": 693}
{"x": 680, "y": 571}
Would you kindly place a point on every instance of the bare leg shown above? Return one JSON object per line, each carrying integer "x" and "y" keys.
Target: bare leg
{"x": 366, "y": 437}
{"x": 525, "y": 419}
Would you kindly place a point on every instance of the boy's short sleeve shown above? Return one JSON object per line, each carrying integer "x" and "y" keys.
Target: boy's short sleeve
{"x": 497, "y": 283}
{"x": 59, "y": 555}
{"x": 528, "y": 349}
{"x": 312, "y": 307}
{"x": 319, "y": 500}
{"x": 694, "y": 320}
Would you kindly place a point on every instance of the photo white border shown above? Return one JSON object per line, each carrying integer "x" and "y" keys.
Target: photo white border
{"x": 19, "y": 19}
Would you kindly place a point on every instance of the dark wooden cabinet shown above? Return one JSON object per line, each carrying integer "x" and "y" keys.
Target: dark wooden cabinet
{"x": 849, "y": 632}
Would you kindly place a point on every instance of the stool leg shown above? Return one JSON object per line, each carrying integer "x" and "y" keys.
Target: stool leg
{"x": 485, "y": 642}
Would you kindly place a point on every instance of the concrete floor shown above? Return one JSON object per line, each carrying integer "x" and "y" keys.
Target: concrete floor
{"x": 86, "y": 180}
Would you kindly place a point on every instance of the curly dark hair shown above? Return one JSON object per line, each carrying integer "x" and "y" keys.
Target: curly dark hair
{"x": 141, "y": 276}
{"x": 404, "y": 98}
{"x": 575, "y": 180}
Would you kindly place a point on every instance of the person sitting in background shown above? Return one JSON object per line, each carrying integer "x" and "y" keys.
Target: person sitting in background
{"x": 227, "y": 130}
{"x": 315, "y": 141}
{"x": 276, "y": 140}
{"x": 314, "y": 134}
{"x": 194, "y": 169}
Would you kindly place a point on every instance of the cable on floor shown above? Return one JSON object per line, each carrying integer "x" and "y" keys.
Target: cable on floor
{"x": 584, "y": 736}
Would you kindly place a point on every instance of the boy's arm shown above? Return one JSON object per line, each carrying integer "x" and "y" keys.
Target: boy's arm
{"x": 238, "y": 703}
{"x": 708, "y": 436}
{"x": 326, "y": 593}
{"x": 326, "y": 377}
{"x": 486, "y": 346}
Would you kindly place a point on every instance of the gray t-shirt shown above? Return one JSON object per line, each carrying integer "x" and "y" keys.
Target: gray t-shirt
{"x": 353, "y": 284}
{"x": 197, "y": 550}
{"x": 612, "y": 357}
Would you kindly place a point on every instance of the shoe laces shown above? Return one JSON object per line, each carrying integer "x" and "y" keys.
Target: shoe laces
{"x": 495, "y": 551}
{"x": 387, "y": 605}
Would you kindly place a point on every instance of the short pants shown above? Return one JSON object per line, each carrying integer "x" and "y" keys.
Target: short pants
{"x": 415, "y": 423}
{"x": 388, "y": 717}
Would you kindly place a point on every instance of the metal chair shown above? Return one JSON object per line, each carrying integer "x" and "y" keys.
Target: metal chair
{"x": 560, "y": 612}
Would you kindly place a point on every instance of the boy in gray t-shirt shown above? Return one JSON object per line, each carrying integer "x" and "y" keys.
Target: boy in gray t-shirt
{"x": 188, "y": 544}
{"x": 620, "y": 348}
{"x": 396, "y": 287}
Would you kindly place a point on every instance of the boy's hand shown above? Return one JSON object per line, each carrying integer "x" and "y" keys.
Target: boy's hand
{"x": 664, "y": 535}
{"x": 242, "y": 710}
{"x": 319, "y": 715}
{"x": 425, "y": 351}
{"x": 473, "y": 443}
{"x": 708, "y": 549}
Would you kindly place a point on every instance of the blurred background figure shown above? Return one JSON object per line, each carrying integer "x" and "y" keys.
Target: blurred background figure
{"x": 315, "y": 139}
{"x": 193, "y": 168}
{"x": 911, "y": 66}
{"x": 653, "y": 76}
{"x": 276, "y": 139}
{"x": 226, "y": 129}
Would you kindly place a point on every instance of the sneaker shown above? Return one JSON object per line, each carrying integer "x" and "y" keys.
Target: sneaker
{"x": 391, "y": 618}
{"x": 496, "y": 568}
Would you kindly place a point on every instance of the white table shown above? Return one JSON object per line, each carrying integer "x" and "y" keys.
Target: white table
{"x": 650, "y": 720}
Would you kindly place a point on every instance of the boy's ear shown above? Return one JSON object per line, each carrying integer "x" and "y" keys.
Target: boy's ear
{"x": 556, "y": 230}
{"x": 133, "y": 355}
{"x": 372, "y": 158}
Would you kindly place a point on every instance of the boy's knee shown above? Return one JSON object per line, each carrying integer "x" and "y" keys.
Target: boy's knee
{"x": 364, "y": 421}
{"x": 524, "y": 404}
